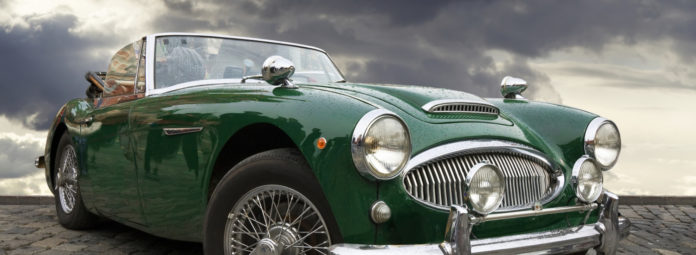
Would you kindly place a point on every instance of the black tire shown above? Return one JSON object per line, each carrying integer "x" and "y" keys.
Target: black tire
{"x": 77, "y": 217}
{"x": 284, "y": 167}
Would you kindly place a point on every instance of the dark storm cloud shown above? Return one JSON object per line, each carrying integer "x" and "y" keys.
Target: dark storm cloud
{"x": 18, "y": 154}
{"x": 443, "y": 43}
{"x": 42, "y": 67}
{"x": 434, "y": 43}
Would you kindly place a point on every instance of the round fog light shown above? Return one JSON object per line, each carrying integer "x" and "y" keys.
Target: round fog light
{"x": 380, "y": 212}
{"x": 486, "y": 187}
{"x": 587, "y": 178}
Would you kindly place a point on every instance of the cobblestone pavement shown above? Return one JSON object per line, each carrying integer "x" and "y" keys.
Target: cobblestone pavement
{"x": 33, "y": 229}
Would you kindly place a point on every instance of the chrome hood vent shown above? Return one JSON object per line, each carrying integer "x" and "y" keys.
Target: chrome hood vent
{"x": 460, "y": 106}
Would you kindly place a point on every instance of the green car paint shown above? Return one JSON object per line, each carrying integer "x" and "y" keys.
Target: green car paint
{"x": 132, "y": 172}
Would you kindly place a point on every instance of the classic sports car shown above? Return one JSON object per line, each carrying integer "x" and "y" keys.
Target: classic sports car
{"x": 253, "y": 146}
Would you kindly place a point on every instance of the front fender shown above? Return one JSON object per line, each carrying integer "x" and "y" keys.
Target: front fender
{"x": 67, "y": 120}
{"x": 562, "y": 128}
{"x": 305, "y": 115}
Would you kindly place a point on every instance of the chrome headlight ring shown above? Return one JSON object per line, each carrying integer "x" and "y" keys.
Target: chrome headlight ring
{"x": 587, "y": 179}
{"x": 375, "y": 156}
{"x": 602, "y": 142}
{"x": 488, "y": 186}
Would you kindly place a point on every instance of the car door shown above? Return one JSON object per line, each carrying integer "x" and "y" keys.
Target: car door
{"x": 110, "y": 167}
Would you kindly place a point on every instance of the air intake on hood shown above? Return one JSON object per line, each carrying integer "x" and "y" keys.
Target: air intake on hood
{"x": 459, "y": 106}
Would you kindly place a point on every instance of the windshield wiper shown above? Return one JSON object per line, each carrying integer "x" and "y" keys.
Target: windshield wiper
{"x": 341, "y": 81}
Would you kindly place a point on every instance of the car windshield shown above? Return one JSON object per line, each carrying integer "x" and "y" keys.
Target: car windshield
{"x": 180, "y": 59}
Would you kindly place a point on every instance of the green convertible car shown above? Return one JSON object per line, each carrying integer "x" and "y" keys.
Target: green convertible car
{"x": 253, "y": 146}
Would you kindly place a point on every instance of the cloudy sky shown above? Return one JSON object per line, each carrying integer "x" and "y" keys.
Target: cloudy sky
{"x": 629, "y": 61}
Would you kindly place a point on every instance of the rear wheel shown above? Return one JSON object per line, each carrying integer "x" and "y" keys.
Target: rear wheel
{"x": 269, "y": 203}
{"x": 71, "y": 211}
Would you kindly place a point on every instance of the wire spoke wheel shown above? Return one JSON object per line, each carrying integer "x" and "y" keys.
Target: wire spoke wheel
{"x": 275, "y": 219}
{"x": 66, "y": 179}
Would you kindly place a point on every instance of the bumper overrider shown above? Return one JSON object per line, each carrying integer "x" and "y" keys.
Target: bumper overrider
{"x": 603, "y": 236}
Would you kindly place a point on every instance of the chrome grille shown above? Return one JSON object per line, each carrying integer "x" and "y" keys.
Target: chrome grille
{"x": 442, "y": 182}
{"x": 464, "y": 108}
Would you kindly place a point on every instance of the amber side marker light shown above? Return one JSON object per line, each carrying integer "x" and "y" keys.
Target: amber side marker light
{"x": 321, "y": 143}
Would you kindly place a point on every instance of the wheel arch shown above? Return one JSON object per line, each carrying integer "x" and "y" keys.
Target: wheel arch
{"x": 58, "y": 132}
{"x": 247, "y": 141}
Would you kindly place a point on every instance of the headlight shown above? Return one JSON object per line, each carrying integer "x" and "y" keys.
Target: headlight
{"x": 587, "y": 179}
{"x": 486, "y": 187}
{"x": 381, "y": 145}
{"x": 603, "y": 142}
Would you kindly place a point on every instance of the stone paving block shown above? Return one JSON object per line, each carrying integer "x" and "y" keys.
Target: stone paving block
{"x": 629, "y": 213}
{"x": 52, "y": 230}
{"x": 26, "y": 250}
{"x": 55, "y": 252}
{"x": 13, "y": 244}
{"x": 70, "y": 234}
{"x": 20, "y": 231}
{"x": 4, "y": 236}
{"x": 32, "y": 237}
{"x": 49, "y": 242}
{"x": 100, "y": 247}
{"x": 666, "y": 252}
{"x": 667, "y": 217}
{"x": 69, "y": 247}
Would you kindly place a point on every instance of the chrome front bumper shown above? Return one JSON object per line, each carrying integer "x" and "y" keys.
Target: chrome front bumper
{"x": 603, "y": 236}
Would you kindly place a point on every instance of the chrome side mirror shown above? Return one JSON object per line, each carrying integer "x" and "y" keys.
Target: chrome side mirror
{"x": 512, "y": 87}
{"x": 277, "y": 70}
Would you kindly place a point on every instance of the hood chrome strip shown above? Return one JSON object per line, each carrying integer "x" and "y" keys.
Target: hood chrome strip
{"x": 345, "y": 94}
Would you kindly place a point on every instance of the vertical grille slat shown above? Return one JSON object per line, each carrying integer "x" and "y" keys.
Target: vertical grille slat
{"x": 443, "y": 182}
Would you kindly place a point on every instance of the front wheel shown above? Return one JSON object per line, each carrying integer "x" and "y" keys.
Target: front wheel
{"x": 270, "y": 203}
{"x": 70, "y": 209}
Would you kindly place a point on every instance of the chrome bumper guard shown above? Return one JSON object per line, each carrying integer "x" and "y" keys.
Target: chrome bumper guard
{"x": 39, "y": 162}
{"x": 603, "y": 236}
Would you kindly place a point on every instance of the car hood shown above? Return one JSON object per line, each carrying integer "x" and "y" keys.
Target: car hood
{"x": 408, "y": 99}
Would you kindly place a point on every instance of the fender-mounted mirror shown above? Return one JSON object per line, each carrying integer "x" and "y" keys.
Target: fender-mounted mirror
{"x": 512, "y": 87}
{"x": 277, "y": 70}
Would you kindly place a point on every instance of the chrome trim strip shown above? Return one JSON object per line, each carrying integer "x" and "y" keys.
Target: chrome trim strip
{"x": 530, "y": 213}
{"x": 347, "y": 95}
{"x": 589, "y": 138}
{"x": 477, "y": 146}
{"x": 428, "y": 107}
{"x": 238, "y": 38}
{"x": 137, "y": 68}
{"x": 150, "y": 65}
{"x": 181, "y": 131}
{"x": 197, "y": 83}
{"x": 357, "y": 141}
{"x": 549, "y": 242}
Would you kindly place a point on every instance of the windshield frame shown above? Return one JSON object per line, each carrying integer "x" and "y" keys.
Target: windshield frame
{"x": 150, "y": 61}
